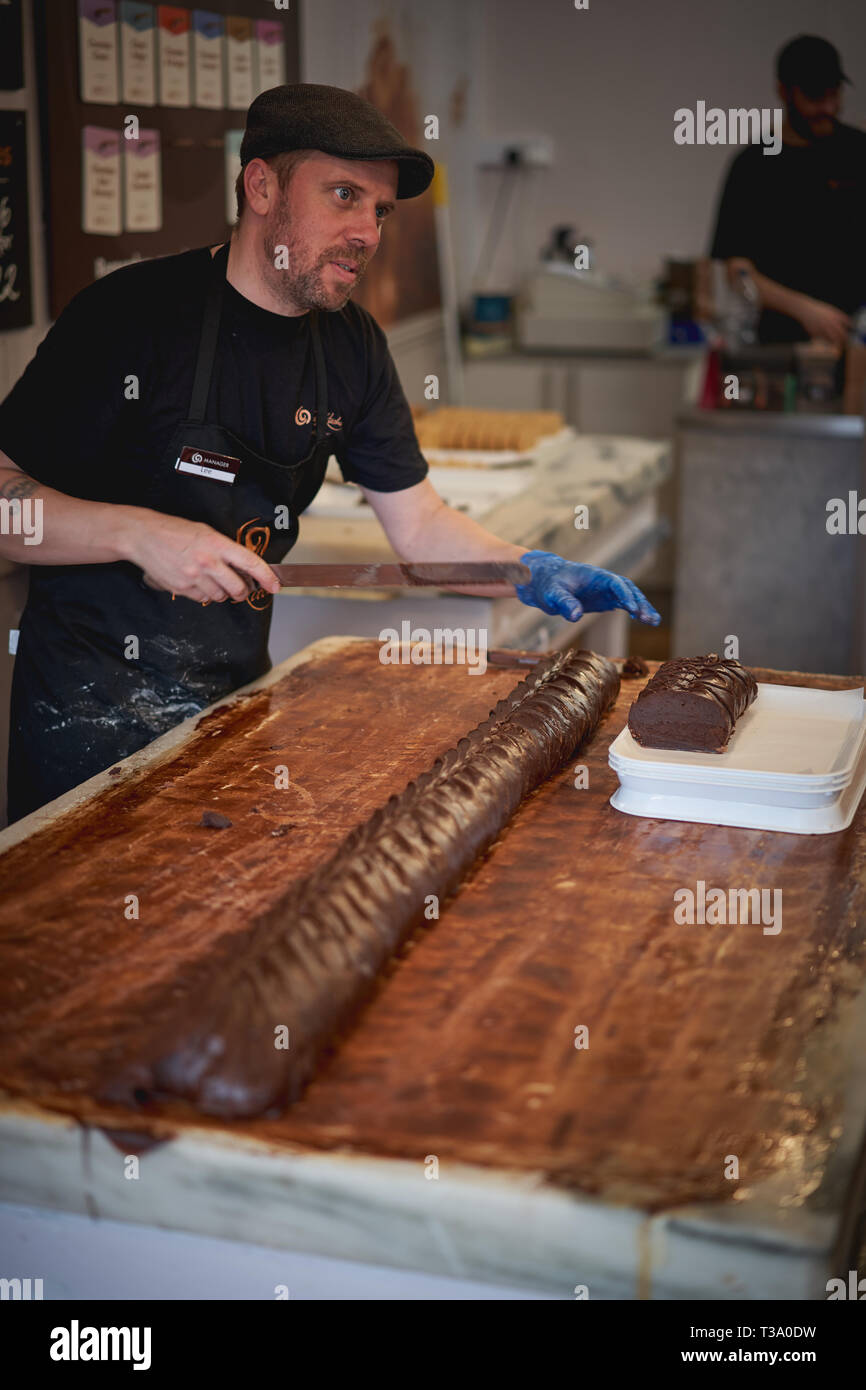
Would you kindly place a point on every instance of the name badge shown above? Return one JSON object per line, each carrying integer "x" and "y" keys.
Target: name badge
{"x": 223, "y": 467}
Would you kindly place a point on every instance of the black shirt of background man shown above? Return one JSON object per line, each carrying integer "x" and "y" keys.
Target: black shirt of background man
{"x": 800, "y": 217}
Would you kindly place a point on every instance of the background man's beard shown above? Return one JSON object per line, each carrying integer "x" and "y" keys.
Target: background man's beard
{"x": 803, "y": 127}
{"x": 304, "y": 289}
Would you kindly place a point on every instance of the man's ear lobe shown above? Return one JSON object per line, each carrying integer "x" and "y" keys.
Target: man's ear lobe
{"x": 255, "y": 183}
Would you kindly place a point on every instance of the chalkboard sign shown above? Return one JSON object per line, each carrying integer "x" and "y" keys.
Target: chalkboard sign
{"x": 16, "y": 310}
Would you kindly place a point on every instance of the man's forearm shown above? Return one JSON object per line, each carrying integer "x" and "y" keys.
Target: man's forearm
{"x": 821, "y": 321}
{"x": 778, "y": 297}
{"x": 420, "y": 526}
{"x": 446, "y": 534}
{"x": 451, "y": 535}
{"x": 70, "y": 531}
{"x": 773, "y": 295}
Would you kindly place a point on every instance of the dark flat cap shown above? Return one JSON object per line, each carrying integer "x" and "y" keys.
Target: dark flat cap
{"x": 305, "y": 116}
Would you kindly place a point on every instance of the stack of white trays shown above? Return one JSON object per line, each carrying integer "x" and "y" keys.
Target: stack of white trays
{"x": 796, "y": 762}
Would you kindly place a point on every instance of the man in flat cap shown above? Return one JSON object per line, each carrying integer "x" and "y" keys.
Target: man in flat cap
{"x": 176, "y": 421}
{"x": 796, "y": 221}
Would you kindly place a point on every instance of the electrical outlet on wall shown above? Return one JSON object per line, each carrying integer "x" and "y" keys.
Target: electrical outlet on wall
{"x": 529, "y": 151}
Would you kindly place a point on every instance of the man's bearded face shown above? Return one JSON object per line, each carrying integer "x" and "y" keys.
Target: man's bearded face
{"x": 309, "y": 280}
{"x": 814, "y": 117}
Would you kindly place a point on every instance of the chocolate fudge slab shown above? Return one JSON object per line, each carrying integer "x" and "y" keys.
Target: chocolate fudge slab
{"x": 208, "y": 1033}
{"x": 692, "y": 704}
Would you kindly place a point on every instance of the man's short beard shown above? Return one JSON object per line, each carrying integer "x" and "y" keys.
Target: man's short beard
{"x": 802, "y": 126}
{"x": 300, "y": 288}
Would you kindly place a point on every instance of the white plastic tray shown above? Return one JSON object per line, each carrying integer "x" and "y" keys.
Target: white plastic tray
{"x": 822, "y": 740}
{"x": 791, "y": 736}
{"x": 824, "y": 820}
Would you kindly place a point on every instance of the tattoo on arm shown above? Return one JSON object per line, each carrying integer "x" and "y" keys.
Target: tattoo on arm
{"x": 19, "y": 485}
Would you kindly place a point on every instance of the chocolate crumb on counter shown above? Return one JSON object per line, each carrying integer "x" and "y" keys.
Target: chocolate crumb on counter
{"x": 634, "y": 666}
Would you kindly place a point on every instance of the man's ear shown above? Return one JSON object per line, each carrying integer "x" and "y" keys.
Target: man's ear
{"x": 257, "y": 178}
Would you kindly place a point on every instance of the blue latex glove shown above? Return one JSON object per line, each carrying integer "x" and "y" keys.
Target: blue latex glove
{"x": 566, "y": 588}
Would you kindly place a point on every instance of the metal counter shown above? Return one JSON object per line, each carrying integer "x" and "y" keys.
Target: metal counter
{"x": 755, "y": 559}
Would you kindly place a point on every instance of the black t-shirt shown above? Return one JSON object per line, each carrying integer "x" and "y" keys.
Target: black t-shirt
{"x": 800, "y": 217}
{"x": 96, "y": 407}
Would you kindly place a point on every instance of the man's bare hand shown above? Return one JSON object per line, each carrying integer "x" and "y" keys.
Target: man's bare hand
{"x": 824, "y": 321}
{"x": 193, "y": 560}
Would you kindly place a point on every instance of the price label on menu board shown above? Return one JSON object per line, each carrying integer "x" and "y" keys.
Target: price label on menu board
{"x": 15, "y": 289}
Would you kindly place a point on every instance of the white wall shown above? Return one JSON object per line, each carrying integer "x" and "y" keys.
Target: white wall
{"x": 605, "y": 82}
{"x": 442, "y": 43}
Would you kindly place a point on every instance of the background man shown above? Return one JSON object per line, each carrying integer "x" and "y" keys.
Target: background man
{"x": 797, "y": 220}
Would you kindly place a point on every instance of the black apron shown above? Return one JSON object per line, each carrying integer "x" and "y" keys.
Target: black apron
{"x": 106, "y": 664}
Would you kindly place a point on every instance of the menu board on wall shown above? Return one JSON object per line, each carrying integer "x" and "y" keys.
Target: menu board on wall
{"x": 16, "y": 308}
{"x": 98, "y": 69}
{"x": 138, "y": 52}
{"x": 137, "y": 100}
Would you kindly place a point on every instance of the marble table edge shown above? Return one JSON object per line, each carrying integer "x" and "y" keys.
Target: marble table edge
{"x": 501, "y": 1225}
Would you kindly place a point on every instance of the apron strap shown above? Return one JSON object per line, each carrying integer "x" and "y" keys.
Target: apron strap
{"x": 208, "y": 341}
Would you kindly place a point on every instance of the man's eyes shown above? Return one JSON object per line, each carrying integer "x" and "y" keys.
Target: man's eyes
{"x": 381, "y": 212}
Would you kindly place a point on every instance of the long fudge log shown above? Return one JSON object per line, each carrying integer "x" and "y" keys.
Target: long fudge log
{"x": 244, "y": 1028}
{"x": 692, "y": 704}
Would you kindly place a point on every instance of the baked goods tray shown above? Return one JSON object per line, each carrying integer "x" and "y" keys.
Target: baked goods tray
{"x": 547, "y": 449}
{"x": 795, "y": 763}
